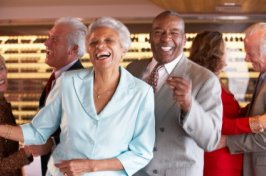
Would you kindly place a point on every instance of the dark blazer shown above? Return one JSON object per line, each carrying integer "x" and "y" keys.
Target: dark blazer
{"x": 181, "y": 139}
{"x": 45, "y": 158}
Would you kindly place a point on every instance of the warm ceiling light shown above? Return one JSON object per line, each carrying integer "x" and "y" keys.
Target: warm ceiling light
{"x": 229, "y": 4}
{"x": 228, "y": 7}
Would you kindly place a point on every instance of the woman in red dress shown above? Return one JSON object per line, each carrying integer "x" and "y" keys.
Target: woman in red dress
{"x": 208, "y": 50}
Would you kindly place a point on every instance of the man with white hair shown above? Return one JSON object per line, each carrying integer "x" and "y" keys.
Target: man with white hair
{"x": 253, "y": 145}
{"x": 64, "y": 46}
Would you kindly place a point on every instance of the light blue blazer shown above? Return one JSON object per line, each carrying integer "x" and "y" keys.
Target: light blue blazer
{"x": 124, "y": 129}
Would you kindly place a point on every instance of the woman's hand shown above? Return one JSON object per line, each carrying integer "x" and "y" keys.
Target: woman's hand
{"x": 75, "y": 167}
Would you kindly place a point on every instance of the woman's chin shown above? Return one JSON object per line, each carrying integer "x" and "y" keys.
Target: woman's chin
{"x": 104, "y": 63}
{"x": 3, "y": 89}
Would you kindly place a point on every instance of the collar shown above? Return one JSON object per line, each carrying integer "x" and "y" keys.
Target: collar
{"x": 65, "y": 68}
{"x": 168, "y": 66}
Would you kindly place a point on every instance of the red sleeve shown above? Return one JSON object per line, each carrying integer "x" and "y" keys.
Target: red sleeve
{"x": 233, "y": 120}
{"x": 235, "y": 126}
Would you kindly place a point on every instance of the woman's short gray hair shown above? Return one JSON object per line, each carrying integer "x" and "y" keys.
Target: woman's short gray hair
{"x": 258, "y": 28}
{"x": 77, "y": 36}
{"x": 110, "y": 22}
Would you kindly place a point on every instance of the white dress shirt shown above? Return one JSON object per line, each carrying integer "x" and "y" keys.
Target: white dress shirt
{"x": 163, "y": 72}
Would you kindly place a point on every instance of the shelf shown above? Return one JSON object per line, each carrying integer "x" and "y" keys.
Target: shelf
{"x": 239, "y": 75}
{"x": 24, "y": 103}
{"x": 31, "y": 75}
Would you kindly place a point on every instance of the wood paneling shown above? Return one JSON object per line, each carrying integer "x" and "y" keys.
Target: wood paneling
{"x": 214, "y": 6}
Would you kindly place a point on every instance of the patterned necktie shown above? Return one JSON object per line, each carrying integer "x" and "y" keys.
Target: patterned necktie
{"x": 153, "y": 79}
{"x": 49, "y": 84}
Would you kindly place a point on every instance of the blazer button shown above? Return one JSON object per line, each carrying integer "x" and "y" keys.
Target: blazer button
{"x": 155, "y": 171}
{"x": 155, "y": 149}
{"x": 162, "y": 129}
{"x": 190, "y": 129}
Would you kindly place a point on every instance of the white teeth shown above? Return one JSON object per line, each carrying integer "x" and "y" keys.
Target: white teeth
{"x": 2, "y": 81}
{"x": 103, "y": 55}
{"x": 166, "y": 48}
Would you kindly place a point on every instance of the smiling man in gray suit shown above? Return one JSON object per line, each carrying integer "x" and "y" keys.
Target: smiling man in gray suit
{"x": 254, "y": 145}
{"x": 188, "y": 107}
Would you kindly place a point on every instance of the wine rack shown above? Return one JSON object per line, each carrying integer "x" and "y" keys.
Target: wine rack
{"x": 27, "y": 72}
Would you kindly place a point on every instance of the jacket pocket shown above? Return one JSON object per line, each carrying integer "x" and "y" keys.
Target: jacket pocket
{"x": 183, "y": 171}
{"x": 261, "y": 160}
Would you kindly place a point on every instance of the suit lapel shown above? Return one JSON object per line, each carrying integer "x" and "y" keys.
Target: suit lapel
{"x": 83, "y": 85}
{"x": 42, "y": 98}
{"x": 121, "y": 94}
{"x": 257, "y": 105}
{"x": 138, "y": 68}
{"x": 163, "y": 102}
{"x": 164, "y": 97}
{"x": 143, "y": 67}
{"x": 254, "y": 96}
{"x": 76, "y": 66}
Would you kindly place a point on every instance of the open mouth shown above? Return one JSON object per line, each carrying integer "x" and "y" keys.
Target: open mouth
{"x": 166, "y": 48}
{"x": 103, "y": 55}
{"x": 2, "y": 82}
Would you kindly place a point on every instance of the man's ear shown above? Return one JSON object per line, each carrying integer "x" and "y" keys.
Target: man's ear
{"x": 74, "y": 50}
{"x": 124, "y": 52}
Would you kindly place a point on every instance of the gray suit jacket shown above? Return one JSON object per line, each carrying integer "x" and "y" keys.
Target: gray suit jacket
{"x": 181, "y": 140}
{"x": 252, "y": 145}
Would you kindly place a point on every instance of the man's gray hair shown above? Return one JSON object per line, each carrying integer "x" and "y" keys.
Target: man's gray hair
{"x": 77, "y": 36}
{"x": 258, "y": 28}
{"x": 110, "y": 22}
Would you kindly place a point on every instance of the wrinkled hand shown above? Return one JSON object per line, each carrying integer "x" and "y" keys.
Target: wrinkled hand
{"x": 181, "y": 91}
{"x": 222, "y": 142}
{"x": 257, "y": 123}
{"x": 39, "y": 150}
{"x": 262, "y": 121}
{"x": 75, "y": 167}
